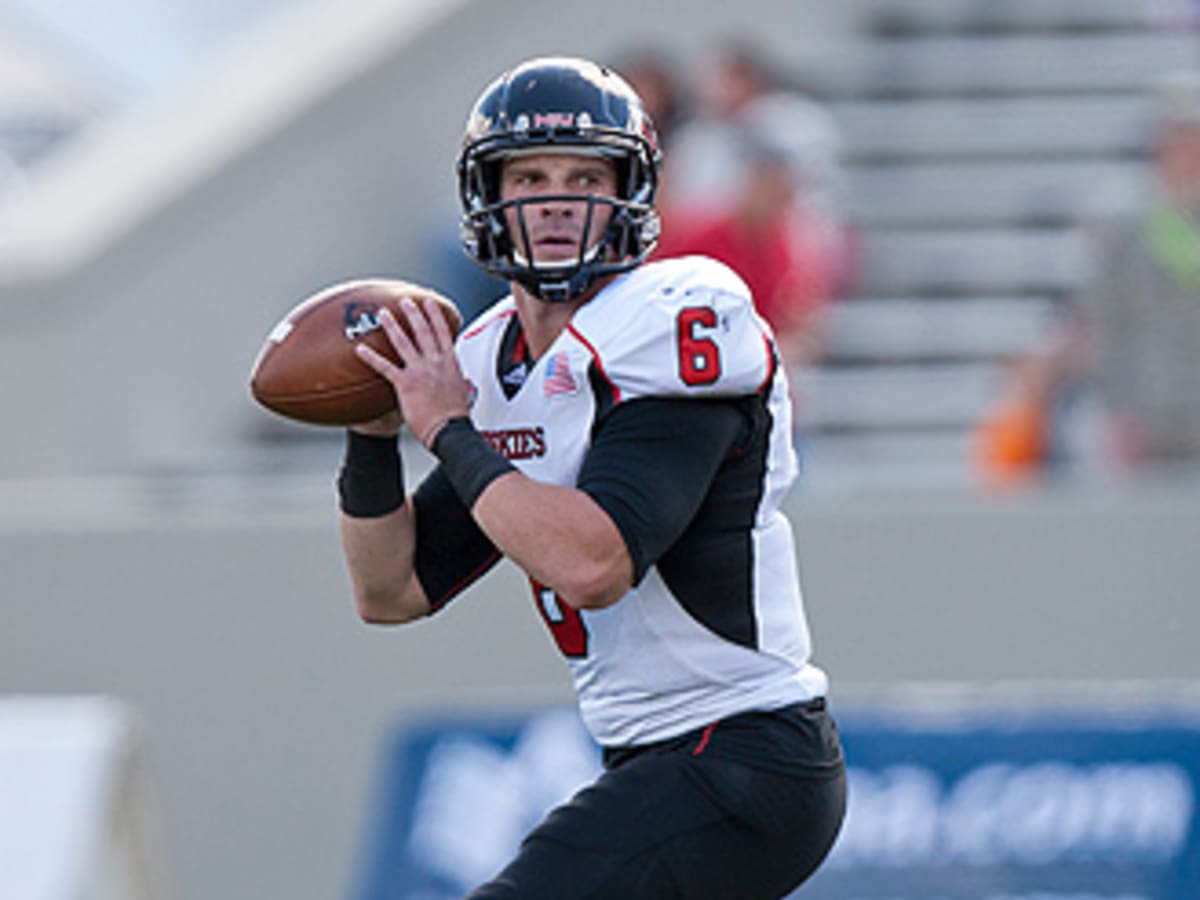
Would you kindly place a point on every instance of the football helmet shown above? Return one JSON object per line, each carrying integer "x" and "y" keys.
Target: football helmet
{"x": 558, "y": 104}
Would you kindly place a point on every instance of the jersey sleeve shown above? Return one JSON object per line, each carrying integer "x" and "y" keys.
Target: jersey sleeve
{"x": 686, "y": 328}
{"x": 452, "y": 551}
{"x": 651, "y": 464}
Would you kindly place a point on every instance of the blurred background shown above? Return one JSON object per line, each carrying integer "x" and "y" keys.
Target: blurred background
{"x": 973, "y": 226}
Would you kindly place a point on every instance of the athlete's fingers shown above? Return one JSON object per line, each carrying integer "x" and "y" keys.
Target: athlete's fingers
{"x": 418, "y": 320}
{"x": 399, "y": 338}
{"x": 378, "y": 362}
{"x": 441, "y": 328}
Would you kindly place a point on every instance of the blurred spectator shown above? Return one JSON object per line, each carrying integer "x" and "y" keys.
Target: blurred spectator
{"x": 1044, "y": 416}
{"x": 752, "y": 181}
{"x": 738, "y": 90}
{"x": 654, "y": 77}
{"x": 1136, "y": 338}
{"x": 760, "y": 236}
{"x": 1012, "y": 443}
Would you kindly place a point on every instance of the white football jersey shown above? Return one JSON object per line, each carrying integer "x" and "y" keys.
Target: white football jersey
{"x": 646, "y": 668}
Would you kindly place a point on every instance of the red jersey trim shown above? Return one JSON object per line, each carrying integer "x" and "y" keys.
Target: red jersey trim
{"x": 705, "y": 737}
{"x": 596, "y": 358}
{"x": 487, "y": 323}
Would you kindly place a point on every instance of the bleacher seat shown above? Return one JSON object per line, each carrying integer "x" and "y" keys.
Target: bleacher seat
{"x": 895, "y": 396}
{"x": 898, "y": 329}
{"x": 886, "y": 459}
{"x": 933, "y": 16}
{"x": 1021, "y": 64}
{"x": 986, "y": 194}
{"x": 1022, "y": 127}
{"x": 976, "y": 261}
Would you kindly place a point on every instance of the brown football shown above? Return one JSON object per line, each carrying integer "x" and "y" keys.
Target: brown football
{"x": 307, "y": 368}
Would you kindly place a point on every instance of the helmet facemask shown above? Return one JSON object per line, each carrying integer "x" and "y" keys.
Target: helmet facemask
{"x": 632, "y": 229}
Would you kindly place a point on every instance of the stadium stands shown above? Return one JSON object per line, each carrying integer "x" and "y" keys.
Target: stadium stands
{"x": 977, "y": 193}
{"x": 959, "y": 16}
{"x": 994, "y": 127}
{"x": 978, "y": 137}
{"x": 1014, "y": 64}
{"x": 903, "y": 328}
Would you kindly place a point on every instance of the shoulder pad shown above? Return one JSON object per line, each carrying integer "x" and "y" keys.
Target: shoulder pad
{"x": 498, "y": 312}
{"x": 679, "y": 328}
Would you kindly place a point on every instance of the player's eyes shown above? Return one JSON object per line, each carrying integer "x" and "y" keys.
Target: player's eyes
{"x": 584, "y": 182}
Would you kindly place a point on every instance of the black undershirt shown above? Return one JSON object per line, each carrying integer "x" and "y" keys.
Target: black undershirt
{"x": 650, "y": 467}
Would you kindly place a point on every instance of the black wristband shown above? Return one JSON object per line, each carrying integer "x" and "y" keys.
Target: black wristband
{"x": 469, "y": 461}
{"x": 371, "y": 482}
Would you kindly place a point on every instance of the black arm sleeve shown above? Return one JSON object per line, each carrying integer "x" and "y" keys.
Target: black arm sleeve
{"x": 452, "y": 551}
{"x": 650, "y": 466}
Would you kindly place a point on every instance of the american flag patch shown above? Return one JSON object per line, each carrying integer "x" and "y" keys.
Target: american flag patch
{"x": 558, "y": 379}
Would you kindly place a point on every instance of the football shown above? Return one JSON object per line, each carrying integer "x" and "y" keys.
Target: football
{"x": 307, "y": 369}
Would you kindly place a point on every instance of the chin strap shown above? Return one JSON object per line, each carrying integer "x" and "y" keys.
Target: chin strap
{"x": 557, "y": 290}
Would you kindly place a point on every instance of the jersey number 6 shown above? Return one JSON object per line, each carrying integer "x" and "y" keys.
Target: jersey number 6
{"x": 699, "y": 356}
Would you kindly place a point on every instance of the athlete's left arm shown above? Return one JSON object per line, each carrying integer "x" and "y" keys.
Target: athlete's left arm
{"x": 647, "y": 472}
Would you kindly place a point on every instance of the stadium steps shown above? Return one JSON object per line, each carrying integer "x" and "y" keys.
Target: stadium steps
{"x": 974, "y": 261}
{"x": 978, "y": 137}
{"x": 987, "y": 194}
{"x": 1002, "y": 65}
{"x": 1001, "y": 16}
{"x": 1110, "y": 124}
{"x": 888, "y": 330}
{"x": 896, "y": 396}
{"x": 881, "y": 459}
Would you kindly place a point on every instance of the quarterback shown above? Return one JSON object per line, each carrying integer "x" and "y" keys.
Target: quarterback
{"x": 621, "y": 431}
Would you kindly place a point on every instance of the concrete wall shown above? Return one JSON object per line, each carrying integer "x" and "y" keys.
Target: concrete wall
{"x": 225, "y": 618}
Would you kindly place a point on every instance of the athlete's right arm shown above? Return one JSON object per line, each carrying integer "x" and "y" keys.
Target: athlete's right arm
{"x": 379, "y": 555}
{"x": 379, "y": 546}
{"x": 410, "y": 561}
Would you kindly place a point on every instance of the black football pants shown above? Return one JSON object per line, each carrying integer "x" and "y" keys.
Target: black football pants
{"x": 683, "y": 821}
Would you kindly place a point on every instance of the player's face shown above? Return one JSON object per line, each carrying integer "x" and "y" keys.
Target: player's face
{"x": 555, "y": 227}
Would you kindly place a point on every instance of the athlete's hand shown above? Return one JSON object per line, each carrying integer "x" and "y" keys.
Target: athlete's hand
{"x": 429, "y": 385}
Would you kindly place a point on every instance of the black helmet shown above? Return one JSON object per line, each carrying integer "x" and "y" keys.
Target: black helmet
{"x": 559, "y": 103}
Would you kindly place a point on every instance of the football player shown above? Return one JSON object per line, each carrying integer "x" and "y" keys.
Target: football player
{"x": 621, "y": 431}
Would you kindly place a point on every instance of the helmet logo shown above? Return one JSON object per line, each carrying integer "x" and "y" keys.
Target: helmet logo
{"x": 553, "y": 120}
